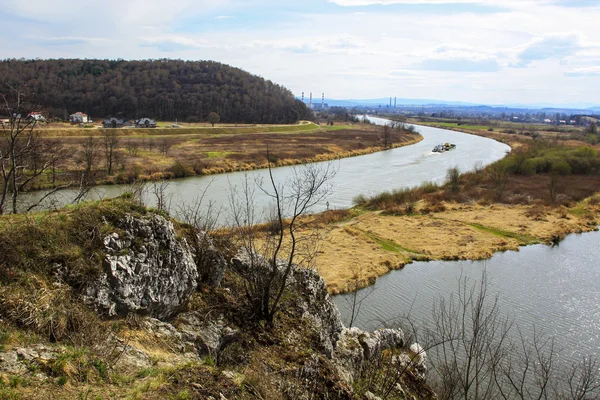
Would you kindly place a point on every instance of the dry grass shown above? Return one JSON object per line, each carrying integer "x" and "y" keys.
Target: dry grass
{"x": 150, "y": 156}
{"x": 379, "y": 243}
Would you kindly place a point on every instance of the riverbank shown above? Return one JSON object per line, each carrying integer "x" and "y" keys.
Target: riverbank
{"x": 355, "y": 252}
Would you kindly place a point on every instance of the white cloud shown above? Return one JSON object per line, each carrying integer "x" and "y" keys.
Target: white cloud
{"x": 585, "y": 71}
{"x": 459, "y": 58}
{"x": 495, "y": 3}
{"x": 553, "y": 46}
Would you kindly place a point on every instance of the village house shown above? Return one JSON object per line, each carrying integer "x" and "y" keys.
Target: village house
{"x": 115, "y": 123}
{"x": 145, "y": 123}
{"x": 79, "y": 118}
{"x": 37, "y": 116}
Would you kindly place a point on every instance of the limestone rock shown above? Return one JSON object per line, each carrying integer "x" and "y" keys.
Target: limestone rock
{"x": 210, "y": 337}
{"x": 311, "y": 298}
{"x": 147, "y": 270}
{"x": 210, "y": 262}
{"x": 355, "y": 347}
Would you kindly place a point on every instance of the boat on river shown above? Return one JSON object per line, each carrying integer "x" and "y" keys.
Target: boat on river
{"x": 440, "y": 148}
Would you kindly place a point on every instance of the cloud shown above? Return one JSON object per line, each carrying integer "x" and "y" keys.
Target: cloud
{"x": 177, "y": 43}
{"x": 553, "y": 46}
{"x": 332, "y": 45}
{"x": 495, "y": 3}
{"x": 223, "y": 17}
{"x": 70, "y": 39}
{"x": 459, "y": 58}
{"x": 586, "y": 71}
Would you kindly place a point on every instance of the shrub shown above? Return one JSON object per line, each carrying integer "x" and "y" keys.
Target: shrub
{"x": 453, "y": 179}
{"x": 360, "y": 200}
{"x": 180, "y": 170}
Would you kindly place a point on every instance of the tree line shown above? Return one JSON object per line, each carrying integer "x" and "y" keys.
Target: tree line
{"x": 161, "y": 89}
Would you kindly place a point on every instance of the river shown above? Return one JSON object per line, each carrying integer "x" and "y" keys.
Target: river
{"x": 368, "y": 174}
{"x": 554, "y": 288}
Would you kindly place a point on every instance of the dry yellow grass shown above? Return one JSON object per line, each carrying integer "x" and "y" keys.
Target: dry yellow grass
{"x": 373, "y": 244}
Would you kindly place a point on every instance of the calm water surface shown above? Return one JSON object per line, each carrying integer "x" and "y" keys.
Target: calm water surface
{"x": 556, "y": 289}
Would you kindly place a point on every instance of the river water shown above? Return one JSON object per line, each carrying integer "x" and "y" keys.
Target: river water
{"x": 557, "y": 289}
{"x": 554, "y": 289}
{"x": 368, "y": 174}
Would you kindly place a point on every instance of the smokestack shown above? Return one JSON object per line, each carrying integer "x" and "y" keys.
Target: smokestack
{"x": 310, "y": 105}
{"x": 390, "y": 102}
{"x": 394, "y": 102}
{"x": 303, "y": 97}
{"x": 323, "y": 102}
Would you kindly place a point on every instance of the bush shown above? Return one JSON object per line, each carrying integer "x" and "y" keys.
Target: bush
{"x": 180, "y": 170}
{"x": 560, "y": 167}
{"x": 453, "y": 179}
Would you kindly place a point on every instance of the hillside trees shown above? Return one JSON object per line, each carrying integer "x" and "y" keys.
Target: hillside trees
{"x": 161, "y": 89}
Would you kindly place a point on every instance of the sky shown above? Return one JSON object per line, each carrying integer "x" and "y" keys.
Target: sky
{"x": 481, "y": 51}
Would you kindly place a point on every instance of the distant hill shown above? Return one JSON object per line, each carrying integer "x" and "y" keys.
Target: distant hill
{"x": 162, "y": 89}
{"x": 383, "y": 102}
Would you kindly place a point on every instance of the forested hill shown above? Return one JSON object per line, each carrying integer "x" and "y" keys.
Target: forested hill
{"x": 162, "y": 89}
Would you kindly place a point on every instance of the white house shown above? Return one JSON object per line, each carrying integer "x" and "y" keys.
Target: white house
{"x": 37, "y": 116}
{"x": 79, "y": 118}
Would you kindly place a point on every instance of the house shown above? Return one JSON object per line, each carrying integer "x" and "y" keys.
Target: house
{"x": 115, "y": 123}
{"x": 37, "y": 116}
{"x": 145, "y": 123}
{"x": 79, "y": 118}
{"x": 548, "y": 121}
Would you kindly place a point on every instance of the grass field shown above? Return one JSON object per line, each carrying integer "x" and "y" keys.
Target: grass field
{"x": 164, "y": 153}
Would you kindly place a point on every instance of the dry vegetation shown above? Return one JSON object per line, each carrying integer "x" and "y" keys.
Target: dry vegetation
{"x": 538, "y": 194}
{"x": 164, "y": 153}
{"x": 37, "y": 309}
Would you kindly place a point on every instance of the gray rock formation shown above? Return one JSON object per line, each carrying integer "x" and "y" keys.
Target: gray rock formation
{"x": 210, "y": 262}
{"x": 147, "y": 270}
{"x": 356, "y": 347}
{"x": 311, "y": 296}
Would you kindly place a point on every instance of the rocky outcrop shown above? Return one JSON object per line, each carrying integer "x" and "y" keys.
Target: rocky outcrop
{"x": 210, "y": 262}
{"x": 310, "y": 295}
{"x": 147, "y": 270}
{"x": 316, "y": 306}
{"x": 356, "y": 347}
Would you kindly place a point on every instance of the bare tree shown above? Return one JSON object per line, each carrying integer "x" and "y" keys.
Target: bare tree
{"x": 160, "y": 190}
{"x": 472, "y": 335}
{"x": 272, "y": 255}
{"x": 357, "y": 297}
{"x": 386, "y": 135}
{"x": 90, "y": 153}
{"x": 132, "y": 147}
{"x": 110, "y": 141}
{"x": 25, "y": 157}
{"x": 165, "y": 146}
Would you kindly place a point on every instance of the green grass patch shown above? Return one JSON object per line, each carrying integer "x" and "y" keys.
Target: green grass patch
{"x": 218, "y": 154}
{"x": 389, "y": 245}
{"x": 521, "y": 238}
